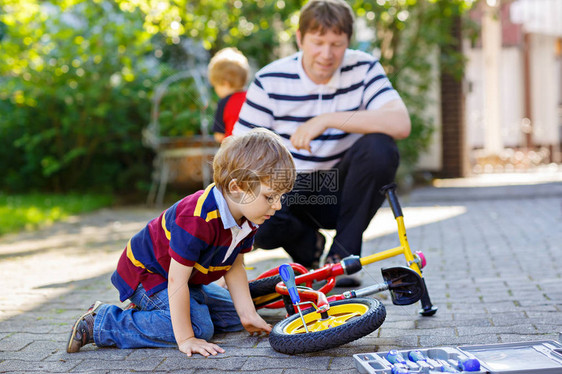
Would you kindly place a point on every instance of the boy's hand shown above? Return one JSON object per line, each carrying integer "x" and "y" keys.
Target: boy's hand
{"x": 256, "y": 325}
{"x": 203, "y": 347}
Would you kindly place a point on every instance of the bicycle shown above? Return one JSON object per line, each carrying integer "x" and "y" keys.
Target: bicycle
{"x": 330, "y": 321}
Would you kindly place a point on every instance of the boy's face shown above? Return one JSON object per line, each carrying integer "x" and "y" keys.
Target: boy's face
{"x": 256, "y": 206}
{"x": 223, "y": 89}
{"x": 322, "y": 54}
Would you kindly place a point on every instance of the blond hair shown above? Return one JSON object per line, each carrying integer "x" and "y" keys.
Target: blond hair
{"x": 326, "y": 15}
{"x": 255, "y": 157}
{"x": 229, "y": 65}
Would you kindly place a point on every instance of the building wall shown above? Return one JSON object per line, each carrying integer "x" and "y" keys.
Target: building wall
{"x": 431, "y": 160}
{"x": 544, "y": 58}
{"x": 545, "y": 91}
{"x": 511, "y": 97}
{"x": 545, "y": 78}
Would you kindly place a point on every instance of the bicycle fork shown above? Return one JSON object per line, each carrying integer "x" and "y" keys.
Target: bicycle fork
{"x": 416, "y": 261}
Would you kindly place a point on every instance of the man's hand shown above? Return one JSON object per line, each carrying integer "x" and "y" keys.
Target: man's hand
{"x": 306, "y": 132}
{"x": 204, "y": 348}
{"x": 391, "y": 119}
{"x": 256, "y": 325}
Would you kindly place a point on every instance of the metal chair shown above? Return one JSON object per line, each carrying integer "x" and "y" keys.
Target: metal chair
{"x": 165, "y": 147}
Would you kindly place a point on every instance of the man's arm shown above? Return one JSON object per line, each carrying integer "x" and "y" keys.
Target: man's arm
{"x": 392, "y": 119}
{"x": 237, "y": 282}
{"x": 178, "y": 296}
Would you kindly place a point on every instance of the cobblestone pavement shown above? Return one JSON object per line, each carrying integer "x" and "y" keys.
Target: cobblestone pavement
{"x": 493, "y": 270}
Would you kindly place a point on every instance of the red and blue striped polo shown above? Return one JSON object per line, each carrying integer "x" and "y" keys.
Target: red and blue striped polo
{"x": 192, "y": 233}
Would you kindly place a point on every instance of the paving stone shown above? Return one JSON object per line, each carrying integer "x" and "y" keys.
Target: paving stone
{"x": 196, "y": 362}
{"x": 89, "y": 365}
{"x": 265, "y": 371}
{"x": 30, "y": 365}
{"x": 294, "y": 362}
{"x": 493, "y": 271}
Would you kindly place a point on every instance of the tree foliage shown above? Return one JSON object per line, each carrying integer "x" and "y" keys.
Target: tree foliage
{"x": 75, "y": 86}
{"x": 76, "y": 76}
{"x": 414, "y": 40}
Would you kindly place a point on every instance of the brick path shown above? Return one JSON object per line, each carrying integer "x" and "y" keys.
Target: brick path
{"x": 493, "y": 270}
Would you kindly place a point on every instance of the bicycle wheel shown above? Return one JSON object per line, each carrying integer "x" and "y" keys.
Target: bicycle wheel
{"x": 263, "y": 290}
{"x": 347, "y": 320}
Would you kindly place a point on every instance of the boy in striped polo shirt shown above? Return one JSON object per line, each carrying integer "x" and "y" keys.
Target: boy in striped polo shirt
{"x": 167, "y": 269}
{"x": 339, "y": 115}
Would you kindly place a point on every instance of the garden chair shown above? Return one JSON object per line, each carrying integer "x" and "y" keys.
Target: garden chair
{"x": 173, "y": 150}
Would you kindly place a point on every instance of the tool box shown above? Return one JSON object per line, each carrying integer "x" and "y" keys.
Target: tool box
{"x": 542, "y": 357}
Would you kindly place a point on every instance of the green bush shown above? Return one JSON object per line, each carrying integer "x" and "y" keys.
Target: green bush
{"x": 180, "y": 110}
{"x": 413, "y": 39}
{"x": 77, "y": 76}
{"x": 74, "y": 97}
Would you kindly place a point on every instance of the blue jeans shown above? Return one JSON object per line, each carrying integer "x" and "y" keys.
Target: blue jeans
{"x": 211, "y": 308}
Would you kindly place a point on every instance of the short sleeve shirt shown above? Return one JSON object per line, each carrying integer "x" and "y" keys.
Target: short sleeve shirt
{"x": 228, "y": 109}
{"x": 282, "y": 97}
{"x": 192, "y": 232}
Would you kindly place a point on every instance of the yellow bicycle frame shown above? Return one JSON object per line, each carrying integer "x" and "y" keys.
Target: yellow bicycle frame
{"x": 403, "y": 249}
{"x": 414, "y": 260}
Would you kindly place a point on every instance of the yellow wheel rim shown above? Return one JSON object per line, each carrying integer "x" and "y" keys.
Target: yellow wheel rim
{"x": 337, "y": 315}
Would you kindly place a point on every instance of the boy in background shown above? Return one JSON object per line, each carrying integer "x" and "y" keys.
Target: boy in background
{"x": 167, "y": 269}
{"x": 228, "y": 73}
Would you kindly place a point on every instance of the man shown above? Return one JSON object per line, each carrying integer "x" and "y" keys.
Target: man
{"x": 339, "y": 116}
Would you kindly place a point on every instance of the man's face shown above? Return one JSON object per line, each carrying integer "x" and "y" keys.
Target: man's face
{"x": 322, "y": 54}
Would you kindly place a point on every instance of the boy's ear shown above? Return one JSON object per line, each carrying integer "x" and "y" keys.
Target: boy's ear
{"x": 233, "y": 187}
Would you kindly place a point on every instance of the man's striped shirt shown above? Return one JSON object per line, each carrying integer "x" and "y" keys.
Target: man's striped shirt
{"x": 196, "y": 231}
{"x": 282, "y": 97}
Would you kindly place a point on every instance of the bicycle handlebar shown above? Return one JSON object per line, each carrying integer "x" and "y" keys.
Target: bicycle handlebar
{"x": 390, "y": 191}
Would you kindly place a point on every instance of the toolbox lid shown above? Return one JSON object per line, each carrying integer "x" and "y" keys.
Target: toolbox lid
{"x": 540, "y": 357}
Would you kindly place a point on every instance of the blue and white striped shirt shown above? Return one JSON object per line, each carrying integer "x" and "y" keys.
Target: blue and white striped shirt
{"x": 282, "y": 97}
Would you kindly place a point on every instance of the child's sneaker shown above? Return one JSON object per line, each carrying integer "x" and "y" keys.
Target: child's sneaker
{"x": 83, "y": 330}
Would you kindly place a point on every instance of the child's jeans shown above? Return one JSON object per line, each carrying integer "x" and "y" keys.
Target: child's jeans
{"x": 211, "y": 307}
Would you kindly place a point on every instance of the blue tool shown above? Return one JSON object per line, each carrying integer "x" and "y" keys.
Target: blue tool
{"x": 419, "y": 358}
{"x": 400, "y": 369}
{"x": 395, "y": 357}
{"x": 446, "y": 367}
{"x": 469, "y": 364}
{"x": 416, "y": 356}
{"x": 288, "y": 275}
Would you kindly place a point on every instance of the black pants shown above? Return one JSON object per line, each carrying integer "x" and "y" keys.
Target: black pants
{"x": 345, "y": 198}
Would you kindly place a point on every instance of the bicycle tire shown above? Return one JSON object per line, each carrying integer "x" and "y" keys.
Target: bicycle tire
{"x": 285, "y": 338}
{"x": 263, "y": 287}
